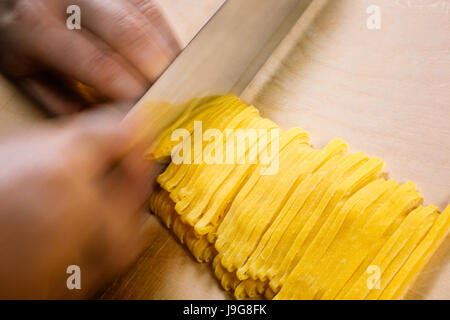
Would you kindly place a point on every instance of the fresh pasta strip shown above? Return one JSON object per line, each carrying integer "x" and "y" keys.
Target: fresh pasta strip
{"x": 212, "y": 176}
{"x": 337, "y": 253}
{"x": 227, "y": 279}
{"x": 327, "y": 211}
{"x": 297, "y": 206}
{"x": 273, "y": 201}
{"x": 231, "y": 183}
{"x": 161, "y": 204}
{"x": 262, "y": 264}
{"x": 178, "y": 193}
{"x": 249, "y": 289}
{"x": 286, "y": 138}
{"x": 300, "y": 283}
{"x": 348, "y": 250}
{"x": 404, "y": 278}
{"x": 199, "y": 109}
{"x": 428, "y": 216}
{"x": 194, "y": 184}
{"x": 185, "y": 169}
{"x": 200, "y": 248}
{"x": 335, "y": 147}
{"x": 219, "y": 117}
{"x": 246, "y": 211}
{"x": 295, "y": 242}
{"x": 168, "y": 147}
{"x": 237, "y": 185}
{"x": 392, "y": 247}
{"x": 377, "y": 231}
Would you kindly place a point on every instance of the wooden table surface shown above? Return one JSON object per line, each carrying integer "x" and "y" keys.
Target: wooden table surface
{"x": 386, "y": 92}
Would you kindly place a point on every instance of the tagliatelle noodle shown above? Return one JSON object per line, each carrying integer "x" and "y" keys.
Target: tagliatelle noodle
{"x": 212, "y": 112}
{"x": 394, "y": 262}
{"x": 291, "y": 209}
{"x": 244, "y": 211}
{"x": 392, "y": 247}
{"x": 305, "y": 274}
{"x": 376, "y": 232}
{"x": 338, "y": 253}
{"x": 194, "y": 183}
{"x": 273, "y": 203}
{"x": 309, "y": 166}
{"x": 212, "y": 176}
{"x": 328, "y": 231}
{"x": 262, "y": 263}
{"x": 326, "y": 211}
{"x": 419, "y": 257}
{"x": 221, "y": 113}
{"x": 286, "y": 138}
{"x": 242, "y": 176}
{"x": 274, "y": 200}
{"x": 185, "y": 169}
{"x": 196, "y": 109}
{"x": 295, "y": 242}
{"x": 347, "y": 253}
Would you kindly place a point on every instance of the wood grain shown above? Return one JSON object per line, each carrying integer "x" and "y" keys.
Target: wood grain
{"x": 386, "y": 92}
{"x": 189, "y": 16}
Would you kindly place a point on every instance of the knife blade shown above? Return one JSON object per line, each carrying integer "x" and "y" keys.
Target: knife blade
{"x": 223, "y": 58}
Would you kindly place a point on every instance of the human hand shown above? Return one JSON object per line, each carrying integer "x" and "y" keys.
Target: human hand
{"x": 122, "y": 47}
{"x": 65, "y": 199}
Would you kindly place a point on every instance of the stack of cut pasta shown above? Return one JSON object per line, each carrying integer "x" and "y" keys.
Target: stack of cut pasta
{"x": 327, "y": 225}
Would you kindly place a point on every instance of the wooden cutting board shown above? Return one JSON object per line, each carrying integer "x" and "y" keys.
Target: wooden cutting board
{"x": 386, "y": 92}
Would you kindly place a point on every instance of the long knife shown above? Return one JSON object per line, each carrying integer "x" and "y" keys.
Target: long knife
{"x": 223, "y": 58}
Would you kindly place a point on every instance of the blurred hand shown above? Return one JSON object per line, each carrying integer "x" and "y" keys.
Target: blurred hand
{"x": 65, "y": 199}
{"x": 122, "y": 47}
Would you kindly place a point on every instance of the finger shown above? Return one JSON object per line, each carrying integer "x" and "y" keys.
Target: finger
{"x": 155, "y": 16}
{"x": 82, "y": 56}
{"x": 95, "y": 142}
{"x": 130, "y": 185}
{"x": 55, "y": 94}
{"x": 123, "y": 194}
{"x": 54, "y": 98}
{"x": 128, "y": 31}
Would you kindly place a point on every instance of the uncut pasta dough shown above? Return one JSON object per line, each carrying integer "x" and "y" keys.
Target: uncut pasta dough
{"x": 311, "y": 230}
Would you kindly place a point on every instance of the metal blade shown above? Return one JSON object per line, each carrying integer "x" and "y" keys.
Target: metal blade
{"x": 222, "y": 58}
